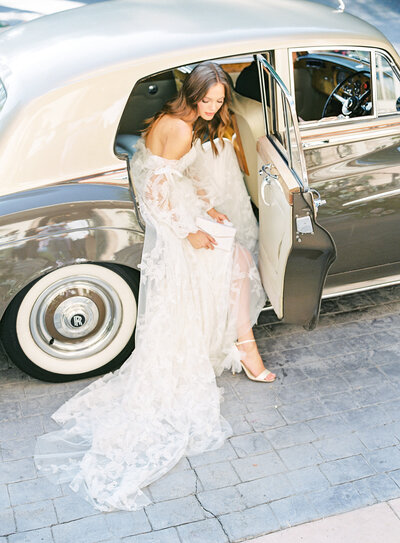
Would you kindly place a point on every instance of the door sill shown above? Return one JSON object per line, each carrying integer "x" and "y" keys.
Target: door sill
{"x": 351, "y": 288}
{"x": 360, "y": 286}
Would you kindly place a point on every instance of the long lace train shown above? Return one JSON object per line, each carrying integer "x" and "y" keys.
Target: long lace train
{"x": 128, "y": 428}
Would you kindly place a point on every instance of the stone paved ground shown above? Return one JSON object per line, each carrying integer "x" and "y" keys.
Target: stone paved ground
{"x": 323, "y": 439}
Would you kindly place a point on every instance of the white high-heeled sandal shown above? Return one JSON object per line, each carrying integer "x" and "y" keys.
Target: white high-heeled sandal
{"x": 260, "y": 378}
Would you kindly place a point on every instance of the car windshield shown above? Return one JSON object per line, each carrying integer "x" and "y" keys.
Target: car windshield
{"x": 332, "y": 84}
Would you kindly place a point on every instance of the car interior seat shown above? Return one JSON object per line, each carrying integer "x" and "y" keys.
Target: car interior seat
{"x": 250, "y": 124}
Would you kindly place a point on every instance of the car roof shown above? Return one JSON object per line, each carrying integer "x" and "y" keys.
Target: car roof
{"x": 95, "y": 36}
{"x": 68, "y": 76}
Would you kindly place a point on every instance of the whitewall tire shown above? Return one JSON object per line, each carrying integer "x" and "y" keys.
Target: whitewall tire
{"x": 74, "y": 322}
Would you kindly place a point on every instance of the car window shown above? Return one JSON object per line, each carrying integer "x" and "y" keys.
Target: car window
{"x": 387, "y": 86}
{"x": 332, "y": 84}
{"x": 280, "y": 122}
{"x": 147, "y": 97}
{"x": 152, "y": 92}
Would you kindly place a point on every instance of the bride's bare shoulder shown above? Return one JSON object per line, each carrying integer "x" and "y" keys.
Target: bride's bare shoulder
{"x": 174, "y": 135}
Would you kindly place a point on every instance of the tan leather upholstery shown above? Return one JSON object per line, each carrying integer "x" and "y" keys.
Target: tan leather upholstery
{"x": 250, "y": 121}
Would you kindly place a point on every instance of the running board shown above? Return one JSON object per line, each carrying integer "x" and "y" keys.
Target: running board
{"x": 361, "y": 286}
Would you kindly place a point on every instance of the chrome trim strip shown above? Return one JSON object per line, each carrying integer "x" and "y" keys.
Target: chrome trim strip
{"x": 373, "y": 84}
{"x": 120, "y": 173}
{"x": 309, "y": 125}
{"x": 372, "y": 197}
{"x": 289, "y": 143}
{"x": 311, "y": 143}
{"x": 350, "y": 138}
{"x": 60, "y": 195}
{"x": 365, "y": 127}
{"x": 65, "y": 233}
{"x": 364, "y": 286}
{"x": 389, "y": 113}
{"x": 289, "y": 99}
{"x": 392, "y": 63}
{"x": 261, "y": 80}
{"x": 396, "y": 71}
{"x": 134, "y": 196}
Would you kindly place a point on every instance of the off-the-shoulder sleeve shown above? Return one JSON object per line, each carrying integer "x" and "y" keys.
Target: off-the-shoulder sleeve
{"x": 163, "y": 202}
{"x": 205, "y": 188}
{"x": 202, "y": 172}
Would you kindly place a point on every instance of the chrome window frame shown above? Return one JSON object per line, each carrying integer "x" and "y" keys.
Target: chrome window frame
{"x": 3, "y": 94}
{"x": 231, "y": 59}
{"x": 396, "y": 71}
{"x": 335, "y": 122}
{"x": 262, "y": 64}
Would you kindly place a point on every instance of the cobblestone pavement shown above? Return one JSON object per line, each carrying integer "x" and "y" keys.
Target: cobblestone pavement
{"x": 323, "y": 439}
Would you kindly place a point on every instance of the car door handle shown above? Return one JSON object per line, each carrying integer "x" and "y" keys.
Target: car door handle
{"x": 265, "y": 169}
{"x": 266, "y": 182}
{"x": 318, "y": 201}
{"x": 266, "y": 172}
{"x": 269, "y": 177}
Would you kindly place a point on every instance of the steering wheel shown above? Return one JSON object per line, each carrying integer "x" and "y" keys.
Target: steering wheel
{"x": 352, "y": 96}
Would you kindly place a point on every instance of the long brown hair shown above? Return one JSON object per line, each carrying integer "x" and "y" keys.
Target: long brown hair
{"x": 194, "y": 88}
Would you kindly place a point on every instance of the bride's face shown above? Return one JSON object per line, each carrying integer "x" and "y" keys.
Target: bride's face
{"x": 212, "y": 102}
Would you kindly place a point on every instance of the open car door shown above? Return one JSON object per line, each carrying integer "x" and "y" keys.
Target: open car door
{"x": 295, "y": 251}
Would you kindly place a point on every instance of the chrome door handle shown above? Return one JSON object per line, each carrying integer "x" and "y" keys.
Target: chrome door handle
{"x": 265, "y": 183}
{"x": 266, "y": 172}
{"x": 318, "y": 201}
{"x": 265, "y": 168}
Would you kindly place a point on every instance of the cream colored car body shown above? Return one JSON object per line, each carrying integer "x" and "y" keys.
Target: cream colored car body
{"x": 68, "y": 75}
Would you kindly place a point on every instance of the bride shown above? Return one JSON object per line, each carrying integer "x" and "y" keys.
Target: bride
{"x": 128, "y": 428}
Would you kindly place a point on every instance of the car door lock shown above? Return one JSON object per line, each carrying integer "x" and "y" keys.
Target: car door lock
{"x": 266, "y": 172}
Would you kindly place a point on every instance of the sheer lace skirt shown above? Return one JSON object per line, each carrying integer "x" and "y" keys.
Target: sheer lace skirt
{"x": 128, "y": 428}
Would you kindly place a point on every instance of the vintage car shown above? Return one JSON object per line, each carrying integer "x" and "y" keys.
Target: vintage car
{"x": 315, "y": 120}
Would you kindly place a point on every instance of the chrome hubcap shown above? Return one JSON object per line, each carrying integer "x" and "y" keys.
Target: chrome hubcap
{"x": 76, "y": 318}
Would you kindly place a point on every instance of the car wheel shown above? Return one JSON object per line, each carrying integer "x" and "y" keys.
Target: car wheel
{"x": 75, "y": 322}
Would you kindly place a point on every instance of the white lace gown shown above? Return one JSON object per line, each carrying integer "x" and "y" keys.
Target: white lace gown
{"x": 128, "y": 428}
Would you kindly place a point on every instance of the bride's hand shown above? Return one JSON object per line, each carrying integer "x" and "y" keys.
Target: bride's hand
{"x": 201, "y": 240}
{"x": 219, "y": 217}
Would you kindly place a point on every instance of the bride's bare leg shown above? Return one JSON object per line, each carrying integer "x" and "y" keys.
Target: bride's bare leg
{"x": 252, "y": 359}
